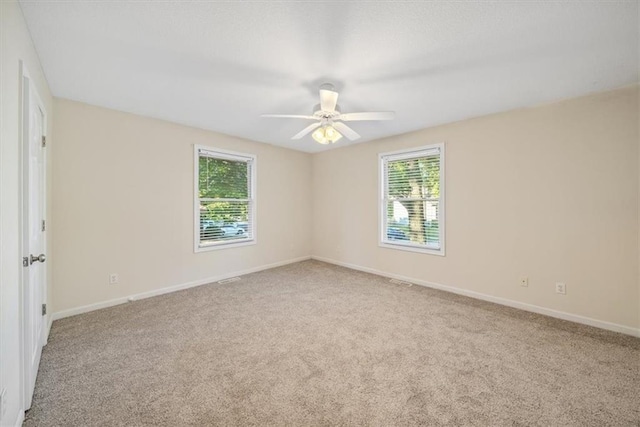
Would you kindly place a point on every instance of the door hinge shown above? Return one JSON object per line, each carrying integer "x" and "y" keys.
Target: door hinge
{"x": 44, "y": 141}
{"x": 44, "y": 309}
{"x": 44, "y": 225}
{"x": 25, "y": 261}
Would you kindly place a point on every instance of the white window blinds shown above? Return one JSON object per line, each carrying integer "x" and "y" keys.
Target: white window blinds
{"x": 412, "y": 212}
{"x": 225, "y": 200}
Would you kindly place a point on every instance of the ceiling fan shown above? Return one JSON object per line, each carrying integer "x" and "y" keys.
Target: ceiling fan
{"x": 329, "y": 126}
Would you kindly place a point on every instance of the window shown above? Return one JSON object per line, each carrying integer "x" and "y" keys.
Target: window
{"x": 224, "y": 200}
{"x": 412, "y": 199}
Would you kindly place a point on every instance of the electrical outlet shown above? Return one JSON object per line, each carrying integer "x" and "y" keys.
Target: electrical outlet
{"x": 561, "y": 288}
{"x": 524, "y": 281}
{"x": 114, "y": 278}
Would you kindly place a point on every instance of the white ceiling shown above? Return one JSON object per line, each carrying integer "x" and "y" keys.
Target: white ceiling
{"x": 219, "y": 65}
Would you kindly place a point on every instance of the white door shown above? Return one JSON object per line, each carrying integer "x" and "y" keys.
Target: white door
{"x": 34, "y": 243}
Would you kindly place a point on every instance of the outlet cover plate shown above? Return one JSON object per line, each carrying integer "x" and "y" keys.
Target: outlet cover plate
{"x": 561, "y": 288}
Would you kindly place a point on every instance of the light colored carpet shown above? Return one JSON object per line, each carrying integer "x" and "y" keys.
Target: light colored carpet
{"x": 312, "y": 344}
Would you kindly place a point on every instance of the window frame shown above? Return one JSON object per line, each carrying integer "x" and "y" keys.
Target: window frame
{"x": 228, "y": 155}
{"x": 410, "y": 153}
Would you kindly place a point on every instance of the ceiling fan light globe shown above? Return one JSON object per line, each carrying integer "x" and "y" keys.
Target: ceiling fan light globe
{"x": 330, "y": 133}
{"x": 320, "y": 137}
{"x": 318, "y": 134}
{"x": 326, "y": 134}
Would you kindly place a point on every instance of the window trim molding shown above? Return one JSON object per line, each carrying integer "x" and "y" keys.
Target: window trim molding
{"x": 382, "y": 217}
{"x": 230, "y": 155}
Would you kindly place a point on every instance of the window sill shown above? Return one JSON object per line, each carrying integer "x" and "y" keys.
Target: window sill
{"x": 225, "y": 245}
{"x": 412, "y": 248}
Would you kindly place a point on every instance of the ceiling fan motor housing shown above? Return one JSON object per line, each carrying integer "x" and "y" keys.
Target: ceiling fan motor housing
{"x": 320, "y": 114}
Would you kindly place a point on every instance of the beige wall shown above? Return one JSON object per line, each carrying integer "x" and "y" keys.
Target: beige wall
{"x": 15, "y": 46}
{"x": 123, "y": 203}
{"x": 550, "y": 193}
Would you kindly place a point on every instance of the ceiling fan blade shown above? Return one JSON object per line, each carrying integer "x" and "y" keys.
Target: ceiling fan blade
{"x": 289, "y": 116}
{"x": 328, "y": 100}
{"x": 306, "y": 130}
{"x": 373, "y": 115}
{"x": 346, "y": 131}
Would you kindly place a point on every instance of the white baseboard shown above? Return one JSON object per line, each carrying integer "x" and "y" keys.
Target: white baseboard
{"x": 117, "y": 301}
{"x": 498, "y": 300}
